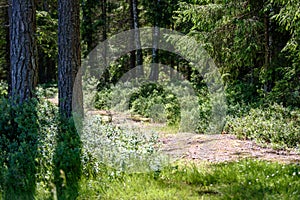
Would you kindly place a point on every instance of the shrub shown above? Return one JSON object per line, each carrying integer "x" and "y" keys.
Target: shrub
{"x": 19, "y": 146}
{"x": 67, "y": 160}
{"x": 27, "y": 144}
{"x": 274, "y": 124}
{"x": 117, "y": 149}
{"x": 147, "y": 99}
{"x": 47, "y": 90}
{"x": 102, "y": 99}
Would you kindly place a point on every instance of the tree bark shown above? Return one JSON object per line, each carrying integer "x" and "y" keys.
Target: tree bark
{"x": 103, "y": 5}
{"x": 89, "y": 32}
{"x": 267, "y": 53}
{"x": 7, "y": 54}
{"x": 6, "y": 67}
{"x": 23, "y": 50}
{"x": 137, "y": 40}
{"x": 154, "y": 73}
{"x": 68, "y": 54}
{"x": 132, "y": 55}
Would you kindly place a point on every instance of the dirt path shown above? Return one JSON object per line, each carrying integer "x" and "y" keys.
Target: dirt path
{"x": 200, "y": 147}
{"x": 211, "y": 148}
{"x": 220, "y": 148}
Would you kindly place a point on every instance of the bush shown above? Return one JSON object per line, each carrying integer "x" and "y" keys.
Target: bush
{"x": 67, "y": 160}
{"x": 152, "y": 100}
{"x": 47, "y": 90}
{"x": 274, "y": 124}
{"x": 117, "y": 149}
{"x": 102, "y": 99}
{"x": 176, "y": 103}
{"x": 26, "y": 143}
{"x": 19, "y": 148}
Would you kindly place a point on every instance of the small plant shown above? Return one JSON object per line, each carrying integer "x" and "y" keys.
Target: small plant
{"x": 102, "y": 99}
{"x": 3, "y": 89}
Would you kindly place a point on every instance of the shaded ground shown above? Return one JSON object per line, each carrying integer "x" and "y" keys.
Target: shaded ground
{"x": 212, "y": 148}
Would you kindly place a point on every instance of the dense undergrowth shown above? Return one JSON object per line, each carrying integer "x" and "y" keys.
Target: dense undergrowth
{"x": 261, "y": 120}
{"x": 115, "y": 173}
{"x": 38, "y": 147}
{"x": 111, "y": 163}
{"x": 273, "y": 124}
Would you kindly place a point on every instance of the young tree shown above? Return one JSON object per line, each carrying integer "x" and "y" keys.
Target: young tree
{"x": 68, "y": 53}
{"x": 23, "y": 50}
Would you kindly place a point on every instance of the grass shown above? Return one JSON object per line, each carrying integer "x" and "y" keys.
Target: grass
{"x": 168, "y": 129}
{"x": 246, "y": 179}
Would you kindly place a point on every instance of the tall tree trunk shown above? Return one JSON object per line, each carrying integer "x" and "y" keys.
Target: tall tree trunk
{"x": 132, "y": 55}
{"x": 137, "y": 40}
{"x": 21, "y": 168}
{"x": 6, "y": 68}
{"x": 7, "y": 55}
{"x": 154, "y": 73}
{"x": 23, "y": 50}
{"x": 89, "y": 32}
{"x": 68, "y": 53}
{"x": 67, "y": 155}
{"x": 267, "y": 53}
{"x": 103, "y": 5}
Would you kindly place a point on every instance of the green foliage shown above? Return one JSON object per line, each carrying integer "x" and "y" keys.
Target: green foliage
{"x": 67, "y": 160}
{"x": 47, "y": 33}
{"x": 204, "y": 110}
{"x": 234, "y": 34}
{"x": 274, "y": 124}
{"x": 3, "y": 89}
{"x": 256, "y": 179}
{"x": 19, "y": 148}
{"x": 152, "y": 100}
{"x": 117, "y": 149}
{"x": 102, "y": 99}
{"x": 47, "y": 26}
{"x": 26, "y": 143}
{"x": 241, "y": 92}
{"x": 288, "y": 18}
{"x": 4, "y": 42}
{"x": 47, "y": 90}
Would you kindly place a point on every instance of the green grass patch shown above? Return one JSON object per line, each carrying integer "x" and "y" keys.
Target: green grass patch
{"x": 246, "y": 179}
{"x": 168, "y": 129}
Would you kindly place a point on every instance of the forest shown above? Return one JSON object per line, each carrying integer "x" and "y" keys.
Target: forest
{"x": 140, "y": 99}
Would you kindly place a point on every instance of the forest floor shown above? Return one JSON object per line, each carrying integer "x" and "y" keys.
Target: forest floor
{"x": 204, "y": 147}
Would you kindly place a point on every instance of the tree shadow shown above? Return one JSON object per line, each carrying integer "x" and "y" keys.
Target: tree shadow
{"x": 67, "y": 161}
